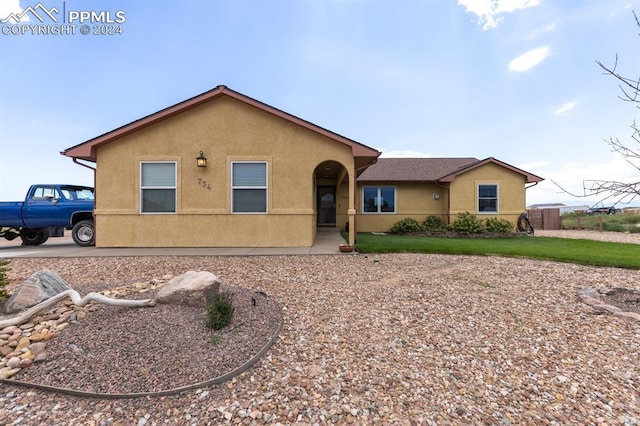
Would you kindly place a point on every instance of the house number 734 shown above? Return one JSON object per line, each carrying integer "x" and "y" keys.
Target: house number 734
{"x": 203, "y": 183}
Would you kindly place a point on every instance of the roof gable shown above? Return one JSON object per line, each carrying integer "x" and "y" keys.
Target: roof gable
{"x": 529, "y": 177}
{"x": 430, "y": 169}
{"x": 413, "y": 169}
{"x": 87, "y": 150}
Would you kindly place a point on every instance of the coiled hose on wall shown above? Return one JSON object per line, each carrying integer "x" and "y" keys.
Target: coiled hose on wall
{"x": 524, "y": 225}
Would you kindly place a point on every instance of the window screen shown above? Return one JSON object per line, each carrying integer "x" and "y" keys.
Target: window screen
{"x": 249, "y": 187}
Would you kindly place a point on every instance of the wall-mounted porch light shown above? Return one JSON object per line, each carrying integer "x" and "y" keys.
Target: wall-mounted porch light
{"x": 201, "y": 161}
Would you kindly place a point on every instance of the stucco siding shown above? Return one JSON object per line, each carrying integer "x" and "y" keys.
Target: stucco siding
{"x": 511, "y": 192}
{"x": 414, "y": 200}
{"x": 226, "y": 130}
{"x": 187, "y": 230}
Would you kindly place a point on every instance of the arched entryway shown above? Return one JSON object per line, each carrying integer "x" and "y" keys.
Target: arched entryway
{"x": 331, "y": 194}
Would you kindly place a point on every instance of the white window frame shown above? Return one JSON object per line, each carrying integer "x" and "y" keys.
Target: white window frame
{"x": 378, "y": 197}
{"x": 265, "y": 187}
{"x": 478, "y": 185}
{"x": 174, "y": 186}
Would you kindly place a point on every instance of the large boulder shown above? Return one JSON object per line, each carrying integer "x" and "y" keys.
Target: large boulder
{"x": 36, "y": 289}
{"x": 191, "y": 289}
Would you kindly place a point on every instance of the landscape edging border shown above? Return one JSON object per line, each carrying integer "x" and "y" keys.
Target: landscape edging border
{"x": 169, "y": 392}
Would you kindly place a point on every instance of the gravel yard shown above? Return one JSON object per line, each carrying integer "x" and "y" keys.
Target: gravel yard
{"x": 377, "y": 339}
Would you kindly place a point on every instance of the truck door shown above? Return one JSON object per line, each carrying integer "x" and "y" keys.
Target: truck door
{"x": 41, "y": 209}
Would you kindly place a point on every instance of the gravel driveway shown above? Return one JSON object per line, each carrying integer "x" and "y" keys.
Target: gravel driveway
{"x": 385, "y": 339}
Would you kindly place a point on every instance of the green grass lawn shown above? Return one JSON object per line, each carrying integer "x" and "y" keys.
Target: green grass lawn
{"x": 586, "y": 252}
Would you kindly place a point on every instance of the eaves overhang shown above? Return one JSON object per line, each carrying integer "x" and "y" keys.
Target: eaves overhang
{"x": 87, "y": 150}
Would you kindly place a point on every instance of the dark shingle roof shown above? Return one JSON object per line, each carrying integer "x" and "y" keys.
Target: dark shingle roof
{"x": 414, "y": 169}
{"x": 431, "y": 169}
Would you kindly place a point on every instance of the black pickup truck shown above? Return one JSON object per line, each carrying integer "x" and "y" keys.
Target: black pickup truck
{"x": 602, "y": 210}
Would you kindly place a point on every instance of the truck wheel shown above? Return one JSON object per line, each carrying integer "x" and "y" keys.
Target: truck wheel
{"x": 34, "y": 237}
{"x": 83, "y": 233}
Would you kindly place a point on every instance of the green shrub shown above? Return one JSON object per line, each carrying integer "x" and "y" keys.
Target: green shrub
{"x": 406, "y": 226}
{"x": 220, "y": 312}
{"x": 435, "y": 223}
{"x": 613, "y": 227}
{"x": 4, "y": 279}
{"x": 466, "y": 223}
{"x": 493, "y": 224}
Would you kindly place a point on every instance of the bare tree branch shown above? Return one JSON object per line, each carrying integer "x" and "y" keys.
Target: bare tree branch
{"x": 613, "y": 191}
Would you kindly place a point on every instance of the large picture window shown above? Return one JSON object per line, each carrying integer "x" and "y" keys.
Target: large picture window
{"x": 249, "y": 187}
{"x": 158, "y": 187}
{"x": 488, "y": 198}
{"x": 379, "y": 199}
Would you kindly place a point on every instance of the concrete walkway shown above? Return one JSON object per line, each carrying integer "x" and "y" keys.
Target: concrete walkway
{"x": 327, "y": 242}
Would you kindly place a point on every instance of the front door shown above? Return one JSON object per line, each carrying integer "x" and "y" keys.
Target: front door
{"x": 326, "y": 205}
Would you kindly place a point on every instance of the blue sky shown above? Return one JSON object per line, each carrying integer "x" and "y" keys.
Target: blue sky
{"x": 512, "y": 79}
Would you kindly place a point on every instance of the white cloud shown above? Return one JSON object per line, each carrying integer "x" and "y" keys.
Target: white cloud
{"x": 489, "y": 11}
{"x": 10, "y": 6}
{"x": 538, "y": 32}
{"x": 529, "y": 59}
{"x": 565, "y": 108}
{"x": 571, "y": 180}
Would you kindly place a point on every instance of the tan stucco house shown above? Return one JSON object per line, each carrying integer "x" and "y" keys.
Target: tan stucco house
{"x": 224, "y": 170}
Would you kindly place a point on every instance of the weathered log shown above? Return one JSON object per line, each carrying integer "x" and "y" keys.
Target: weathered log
{"x": 77, "y": 300}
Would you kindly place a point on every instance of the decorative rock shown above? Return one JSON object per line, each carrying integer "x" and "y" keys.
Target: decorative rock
{"x": 7, "y": 372}
{"x": 191, "y": 289}
{"x": 38, "y": 337}
{"x": 23, "y": 343}
{"x": 37, "y": 348}
{"x": 588, "y": 291}
{"x": 13, "y": 362}
{"x": 622, "y": 290}
{"x": 11, "y": 329}
{"x": 50, "y": 336}
{"x": 631, "y": 316}
{"x": 62, "y": 326}
{"x": 589, "y": 300}
{"x": 40, "y": 357}
{"x": 606, "y": 308}
{"x": 587, "y": 296}
{"x": 39, "y": 287}
{"x": 25, "y": 362}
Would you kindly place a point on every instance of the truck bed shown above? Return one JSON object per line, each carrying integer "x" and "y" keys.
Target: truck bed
{"x": 11, "y": 214}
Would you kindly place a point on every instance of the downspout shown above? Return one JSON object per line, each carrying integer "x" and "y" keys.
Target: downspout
{"x": 445, "y": 188}
{"x": 531, "y": 186}
{"x": 75, "y": 160}
{"x": 352, "y": 212}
